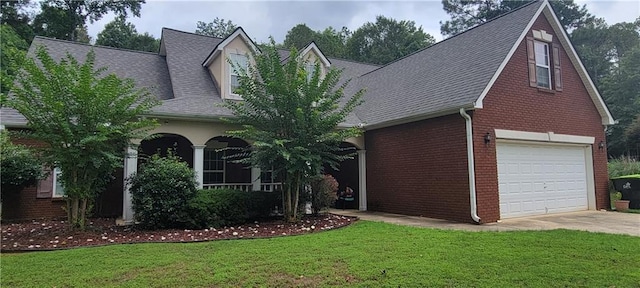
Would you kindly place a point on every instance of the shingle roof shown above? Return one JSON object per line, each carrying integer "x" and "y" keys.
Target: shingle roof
{"x": 445, "y": 76}
{"x": 147, "y": 69}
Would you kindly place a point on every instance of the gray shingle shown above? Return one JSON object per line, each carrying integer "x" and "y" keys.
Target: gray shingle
{"x": 448, "y": 75}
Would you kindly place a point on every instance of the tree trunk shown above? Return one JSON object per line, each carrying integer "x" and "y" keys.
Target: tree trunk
{"x": 83, "y": 214}
{"x": 75, "y": 204}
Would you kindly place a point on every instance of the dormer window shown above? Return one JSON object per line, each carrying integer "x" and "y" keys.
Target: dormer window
{"x": 310, "y": 68}
{"x": 240, "y": 63}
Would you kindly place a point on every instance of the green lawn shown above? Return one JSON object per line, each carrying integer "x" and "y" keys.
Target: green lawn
{"x": 365, "y": 254}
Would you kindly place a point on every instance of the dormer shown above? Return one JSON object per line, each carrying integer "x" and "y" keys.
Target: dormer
{"x": 236, "y": 48}
{"x": 311, "y": 54}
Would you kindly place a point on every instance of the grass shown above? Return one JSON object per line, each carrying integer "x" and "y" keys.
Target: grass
{"x": 365, "y": 254}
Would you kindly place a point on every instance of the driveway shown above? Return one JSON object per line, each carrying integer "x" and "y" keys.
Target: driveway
{"x": 592, "y": 221}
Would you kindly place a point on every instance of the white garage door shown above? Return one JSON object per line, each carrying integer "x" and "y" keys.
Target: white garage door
{"x": 539, "y": 179}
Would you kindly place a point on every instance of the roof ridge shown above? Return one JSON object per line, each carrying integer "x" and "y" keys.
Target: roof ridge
{"x": 456, "y": 35}
{"x": 193, "y": 33}
{"x": 95, "y": 46}
{"x": 338, "y": 58}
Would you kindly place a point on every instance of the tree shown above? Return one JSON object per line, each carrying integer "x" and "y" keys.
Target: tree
{"x": 331, "y": 42}
{"x": 621, "y": 91}
{"x": 85, "y": 120}
{"x": 291, "y": 121}
{"x": 12, "y": 52}
{"x": 469, "y": 13}
{"x": 386, "y": 40}
{"x": 61, "y": 18}
{"x": 16, "y": 15}
{"x": 121, "y": 34}
{"x": 218, "y": 28}
{"x": 19, "y": 166}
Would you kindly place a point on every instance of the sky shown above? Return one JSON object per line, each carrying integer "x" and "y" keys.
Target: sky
{"x": 261, "y": 19}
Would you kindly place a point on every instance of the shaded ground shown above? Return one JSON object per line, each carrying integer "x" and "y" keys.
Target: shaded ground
{"x": 52, "y": 235}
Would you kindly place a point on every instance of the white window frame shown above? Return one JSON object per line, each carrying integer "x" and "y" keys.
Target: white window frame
{"x": 540, "y": 63}
{"x": 224, "y": 165}
{"x": 310, "y": 68}
{"x": 232, "y": 73}
{"x": 56, "y": 174}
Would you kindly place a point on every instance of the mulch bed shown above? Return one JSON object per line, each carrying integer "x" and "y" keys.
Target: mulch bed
{"x": 42, "y": 235}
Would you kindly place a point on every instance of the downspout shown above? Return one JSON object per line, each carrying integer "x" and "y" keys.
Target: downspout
{"x": 472, "y": 170}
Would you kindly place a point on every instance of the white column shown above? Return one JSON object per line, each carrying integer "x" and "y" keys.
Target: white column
{"x": 130, "y": 169}
{"x": 362, "y": 179}
{"x": 198, "y": 163}
{"x": 255, "y": 178}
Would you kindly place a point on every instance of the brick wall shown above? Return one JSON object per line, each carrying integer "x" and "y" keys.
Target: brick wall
{"x": 420, "y": 169}
{"x": 512, "y": 104}
{"x": 25, "y": 205}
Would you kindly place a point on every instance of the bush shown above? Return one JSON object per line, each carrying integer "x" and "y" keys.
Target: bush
{"x": 161, "y": 191}
{"x": 323, "y": 193}
{"x": 19, "y": 166}
{"x": 623, "y": 166}
{"x": 228, "y": 207}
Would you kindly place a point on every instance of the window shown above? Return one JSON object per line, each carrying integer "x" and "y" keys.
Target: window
{"x": 214, "y": 166}
{"x": 58, "y": 189}
{"x": 241, "y": 62}
{"x": 310, "y": 68}
{"x": 543, "y": 71}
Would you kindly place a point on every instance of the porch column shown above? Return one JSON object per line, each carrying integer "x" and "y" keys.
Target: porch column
{"x": 362, "y": 179}
{"x": 198, "y": 163}
{"x": 130, "y": 169}
{"x": 255, "y": 178}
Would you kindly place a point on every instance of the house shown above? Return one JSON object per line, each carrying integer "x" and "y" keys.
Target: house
{"x": 499, "y": 121}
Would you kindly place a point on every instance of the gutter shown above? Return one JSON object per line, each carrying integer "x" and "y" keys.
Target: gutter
{"x": 471, "y": 164}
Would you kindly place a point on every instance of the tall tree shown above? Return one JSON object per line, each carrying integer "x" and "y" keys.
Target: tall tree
{"x": 61, "y": 18}
{"x": 121, "y": 34}
{"x": 16, "y": 14}
{"x": 386, "y": 40}
{"x": 330, "y": 41}
{"x": 468, "y": 13}
{"x": 218, "y": 28}
{"x": 292, "y": 121}
{"x": 85, "y": 119}
{"x": 12, "y": 52}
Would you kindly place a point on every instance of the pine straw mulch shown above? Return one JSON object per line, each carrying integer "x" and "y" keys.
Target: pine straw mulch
{"x": 43, "y": 235}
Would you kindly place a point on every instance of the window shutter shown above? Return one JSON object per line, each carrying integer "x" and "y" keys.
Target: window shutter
{"x": 557, "y": 73}
{"x": 531, "y": 56}
{"x": 45, "y": 186}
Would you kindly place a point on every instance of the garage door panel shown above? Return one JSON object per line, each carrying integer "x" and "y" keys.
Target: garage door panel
{"x": 538, "y": 179}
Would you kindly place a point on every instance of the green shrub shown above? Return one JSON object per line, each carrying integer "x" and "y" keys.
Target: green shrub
{"x": 161, "y": 191}
{"x": 623, "y": 166}
{"x": 323, "y": 193}
{"x": 228, "y": 207}
{"x": 19, "y": 166}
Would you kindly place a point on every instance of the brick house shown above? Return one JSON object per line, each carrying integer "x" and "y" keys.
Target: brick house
{"x": 499, "y": 121}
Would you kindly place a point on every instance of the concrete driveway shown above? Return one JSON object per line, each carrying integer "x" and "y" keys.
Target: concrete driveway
{"x": 592, "y": 221}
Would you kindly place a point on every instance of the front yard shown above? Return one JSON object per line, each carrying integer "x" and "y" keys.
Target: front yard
{"x": 366, "y": 254}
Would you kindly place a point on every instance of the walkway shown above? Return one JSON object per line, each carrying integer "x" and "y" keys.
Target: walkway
{"x": 592, "y": 221}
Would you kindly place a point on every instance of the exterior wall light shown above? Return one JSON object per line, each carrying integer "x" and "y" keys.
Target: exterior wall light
{"x": 601, "y": 145}
{"x": 487, "y": 138}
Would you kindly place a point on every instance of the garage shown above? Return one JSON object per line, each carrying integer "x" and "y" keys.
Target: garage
{"x": 542, "y": 178}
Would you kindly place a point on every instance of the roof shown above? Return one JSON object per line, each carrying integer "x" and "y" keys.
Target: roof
{"x": 444, "y": 77}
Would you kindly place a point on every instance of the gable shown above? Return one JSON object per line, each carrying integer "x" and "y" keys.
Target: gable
{"x": 546, "y": 20}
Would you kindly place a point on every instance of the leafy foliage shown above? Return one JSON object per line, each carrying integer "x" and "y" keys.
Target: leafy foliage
{"x": 16, "y": 14}
{"x": 85, "y": 119}
{"x": 218, "y": 28}
{"x": 121, "y": 34}
{"x": 161, "y": 191}
{"x": 469, "y": 13}
{"x": 62, "y": 18}
{"x": 12, "y": 52}
{"x": 324, "y": 191}
{"x": 386, "y": 40}
{"x": 19, "y": 168}
{"x": 332, "y": 42}
{"x": 291, "y": 121}
{"x": 623, "y": 166}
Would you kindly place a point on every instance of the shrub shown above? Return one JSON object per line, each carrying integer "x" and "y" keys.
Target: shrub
{"x": 623, "y": 166}
{"x": 323, "y": 193}
{"x": 19, "y": 166}
{"x": 228, "y": 207}
{"x": 161, "y": 191}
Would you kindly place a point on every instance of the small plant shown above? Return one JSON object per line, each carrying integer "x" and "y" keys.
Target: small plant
{"x": 323, "y": 193}
{"x": 19, "y": 166}
{"x": 623, "y": 166}
{"x": 161, "y": 191}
